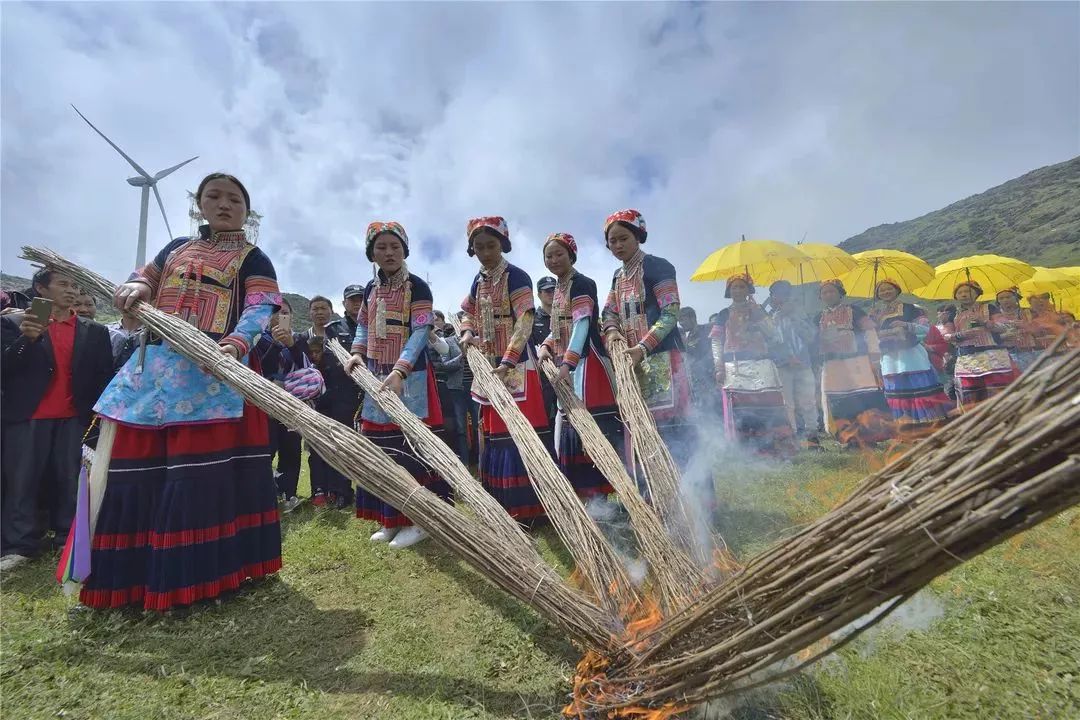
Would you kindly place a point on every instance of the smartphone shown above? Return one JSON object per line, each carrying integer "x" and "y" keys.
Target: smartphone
{"x": 41, "y": 310}
{"x": 285, "y": 322}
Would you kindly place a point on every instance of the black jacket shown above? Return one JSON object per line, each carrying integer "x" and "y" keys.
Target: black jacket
{"x": 343, "y": 396}
{"x": 28, "y": 367}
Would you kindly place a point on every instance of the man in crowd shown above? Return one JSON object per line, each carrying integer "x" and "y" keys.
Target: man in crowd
{"x": 452, "y": 396}
{"x": 342, "y": 398}
{"x": 699, "y": 357}
{"x": 472, "y": 408}
{"x": 85, "y": 307}
{"x": 124, "y": 335}
{"x": 279, "y": 354}
{"x": 52, "y": 374}
{"x": 545, "y": 291}
{"x": 793, "y": 361}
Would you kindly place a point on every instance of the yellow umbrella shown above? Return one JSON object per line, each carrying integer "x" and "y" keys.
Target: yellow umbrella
{"x": 994, "y": 273}
{"x": 764, "y": 260}
{"x": 872, "y": 266}
{"x": 823, "y": 262}
{"x": 1073, "y": 271}
{"x": 1049, "y": 280}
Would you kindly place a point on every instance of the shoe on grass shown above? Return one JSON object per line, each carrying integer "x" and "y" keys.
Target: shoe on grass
{"x": 12, "y": 561}
{"x": 408, "y": 537}
{"x": 384, "y": 534}
{"x": 291, "y": 504}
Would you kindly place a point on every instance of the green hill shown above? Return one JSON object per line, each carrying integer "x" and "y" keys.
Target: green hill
{"x": 1035, "y": 218}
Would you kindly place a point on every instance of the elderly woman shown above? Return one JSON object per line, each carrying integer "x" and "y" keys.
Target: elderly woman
{"x": 754, "y": 410}
{"x": 912, "y": 388}
{"x": 983, "y": 367}
{"x": 852, "y": 401}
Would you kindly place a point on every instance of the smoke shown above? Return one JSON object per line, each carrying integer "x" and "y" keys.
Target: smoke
{"x": 916, "y": 615}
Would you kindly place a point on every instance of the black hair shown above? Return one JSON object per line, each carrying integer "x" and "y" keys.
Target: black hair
{"x": 950, "y": 311}
{"x": 320, "y": 298}
{"x": 640, "y": 234}
{"x": 287, "y": 304}
{"x": 42, "y": 277}
{"x": 223, "y": 176}
{"x": 439, "y": 314}
{"x": 687, "y": 309}
{"x": 504, "y": 241}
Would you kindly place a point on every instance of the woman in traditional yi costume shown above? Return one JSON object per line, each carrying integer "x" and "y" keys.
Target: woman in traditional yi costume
{"x": 912, "y": 388}
{"x": 392, "y": 334}
{"x": 498, "y": 319}
{"x": 190, "y": 509}
{"x": 643, "y": 306}
{"x": 1021, "y": 335}
{"x": 574, "y": 345}
{"x": 753, "y": 396}
{"x": 983, "y": 367}
{"x": 852, "y": 401}
{"x": 1048, "y": 323}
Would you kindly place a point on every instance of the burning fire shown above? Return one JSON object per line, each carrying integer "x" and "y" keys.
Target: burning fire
{"x": 869, "y": 427}
{"x": 592, "y": 687}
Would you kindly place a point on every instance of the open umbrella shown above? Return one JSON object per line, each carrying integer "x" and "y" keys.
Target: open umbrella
{"x": 994, "y": 273}
{"x": 822, "y": 262}
{"x": 1049, "y": 280}
{"x": 764, "y": 260}
{"x": 872, "y": 266}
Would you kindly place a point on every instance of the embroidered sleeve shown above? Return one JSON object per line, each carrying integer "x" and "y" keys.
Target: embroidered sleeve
{"x": 519, "y": 285}
{"x": 716, "y": 342}
{"x": 949, "y": 333}
{"x": 520, "y": 336}
{"x": 998, "y": 322}
{"x": 581, "y": 308}
{"x": 666, "y": 291}
{"x": 261, "y": 299}
{"x": 610, "y": 319}
{"x": 468, "y": 306}
{"x": 420, "y": 322}
{"x": 359, "y": 343}
{"x": 579, "y": 334}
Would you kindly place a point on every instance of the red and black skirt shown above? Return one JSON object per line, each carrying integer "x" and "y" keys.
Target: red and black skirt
{"x": 391, "y": 440}
{"x": 502, "y": 471}
{"x": 594, "y": 384}
{"x": 189, "y": 513}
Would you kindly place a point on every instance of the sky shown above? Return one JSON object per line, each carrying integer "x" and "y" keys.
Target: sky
{"x": 715, "y": 120}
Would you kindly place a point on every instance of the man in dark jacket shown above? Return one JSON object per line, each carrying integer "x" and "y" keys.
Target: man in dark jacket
{"x": 545, "y": 290}
{"x": 52, "y": 375}
{"x": 704, "y": 392}
{"x": 342, "y": 398}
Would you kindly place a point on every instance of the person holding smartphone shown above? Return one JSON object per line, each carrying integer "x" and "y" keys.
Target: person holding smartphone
{"x": 190, "y": 510}
{"x": 55, "y": 365}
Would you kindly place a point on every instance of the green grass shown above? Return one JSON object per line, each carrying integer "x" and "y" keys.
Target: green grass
{"x": 351, "y": 630}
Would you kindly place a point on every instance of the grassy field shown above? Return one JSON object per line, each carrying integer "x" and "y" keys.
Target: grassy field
{"x": 351, "y": 630}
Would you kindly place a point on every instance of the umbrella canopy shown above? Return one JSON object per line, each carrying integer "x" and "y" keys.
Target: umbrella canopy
{"x": 994, "y": 273}
{"x": 872, "y": 266}
{"x": 764, "y": 260}
{"x": 1073, "y": 271}
{"x": 1049, "y": 280}
{"x": 822, "y": 262}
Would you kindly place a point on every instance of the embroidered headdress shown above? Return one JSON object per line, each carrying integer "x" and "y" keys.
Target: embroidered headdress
{"x": 744, "y": 277}
{"x": 492, "y": 223}
{"x": 567, "y": 241}
{"x": 630, "y": 219}
{"x": 378, "y": 228}
{"x": 887, "y": 281}
{"x": 835, "y": 282}
{"x": 975, "y": 287}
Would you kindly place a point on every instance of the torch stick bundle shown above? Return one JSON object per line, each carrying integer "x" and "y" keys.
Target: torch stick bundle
{"x": 997, "y": 471}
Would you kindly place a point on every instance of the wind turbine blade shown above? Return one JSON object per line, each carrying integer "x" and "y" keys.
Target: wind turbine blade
{"x": 162, "y": 206}
{"x": 114, "y": 145}
{"x": 174, "y": 168}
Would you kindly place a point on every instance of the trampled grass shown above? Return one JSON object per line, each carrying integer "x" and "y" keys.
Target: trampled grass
{"x": 352, "y": 630}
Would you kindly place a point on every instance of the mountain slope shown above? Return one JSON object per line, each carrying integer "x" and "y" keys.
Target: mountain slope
{"x": 1035, "y": 218}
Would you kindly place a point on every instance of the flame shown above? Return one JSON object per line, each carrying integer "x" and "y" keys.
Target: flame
{"x": 593, "y": 689}
{"x": 816, "y": 648}
{"x": 724, "y": 562}
{"x": 869, "y": 427}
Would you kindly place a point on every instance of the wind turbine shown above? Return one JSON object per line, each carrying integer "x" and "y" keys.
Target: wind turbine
{"x": 147, "y": 183}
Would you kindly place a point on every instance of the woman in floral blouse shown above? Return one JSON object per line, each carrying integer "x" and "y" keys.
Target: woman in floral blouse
{"x": 190, "y": 510}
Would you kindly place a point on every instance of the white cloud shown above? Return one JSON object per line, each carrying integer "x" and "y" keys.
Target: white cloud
{"x": 714, "y": 119}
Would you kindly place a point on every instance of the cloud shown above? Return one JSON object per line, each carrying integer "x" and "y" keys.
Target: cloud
{"x": 715, "y": 119}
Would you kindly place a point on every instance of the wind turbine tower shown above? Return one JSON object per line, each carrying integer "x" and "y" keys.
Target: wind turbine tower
{"x": 147, "y": 182}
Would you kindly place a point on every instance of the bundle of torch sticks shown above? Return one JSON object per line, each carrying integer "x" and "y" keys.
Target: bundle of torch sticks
{"x": 695, "y": 628}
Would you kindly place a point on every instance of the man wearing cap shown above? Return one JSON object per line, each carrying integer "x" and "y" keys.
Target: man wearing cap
{"x": 545, "y": 290}
{"x": 793, "y": 361}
